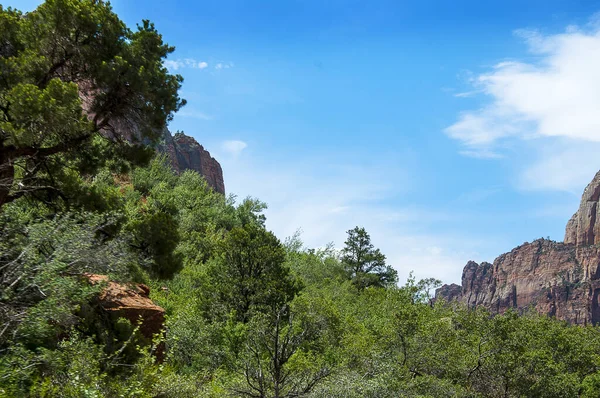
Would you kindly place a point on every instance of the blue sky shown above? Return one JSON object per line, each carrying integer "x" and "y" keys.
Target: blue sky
{"x": 451, "y": 131}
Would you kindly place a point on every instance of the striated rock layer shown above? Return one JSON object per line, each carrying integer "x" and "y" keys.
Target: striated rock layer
{"x": 186, "y": 154}
{"x": 557, "y": 279}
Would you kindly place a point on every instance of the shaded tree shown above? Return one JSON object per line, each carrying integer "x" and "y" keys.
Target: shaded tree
{"x": 251, "y": 275}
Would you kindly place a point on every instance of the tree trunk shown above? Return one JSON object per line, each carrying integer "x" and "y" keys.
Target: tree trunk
{"x": 7, "y": 176}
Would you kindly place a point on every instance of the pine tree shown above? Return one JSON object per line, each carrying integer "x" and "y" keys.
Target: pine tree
{"x": 365, "y": 265}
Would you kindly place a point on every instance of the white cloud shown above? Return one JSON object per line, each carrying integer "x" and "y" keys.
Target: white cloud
{"x": 563, "y": 165}
{"x": 467, "y": 94}
{"x": 481, "y": 153}
{"x": 478, "y": 195}
{"x": 172, "y": 65}
{"x": 176, "y": 64}
{"x": 555, "y": 99}
{"x": 224, "y": 65}
{"x": 192, "y": 113}
{"x": 233, "y": 147}
{"x": 340, "y": 209}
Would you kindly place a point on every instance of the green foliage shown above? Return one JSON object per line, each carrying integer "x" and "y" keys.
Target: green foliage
{"x": 202, "y": 215}
{"x": 72, "y": 72}
{"x": 246, "y": 315}
{"x": 315, "y": 267}
{"x": 364, "y": 264}
{"x": 285, "y": 351}
{"x": 42, "y": 272}
{"x": 155, "y": 235}
{"x": 250, "y": 275}
{"x": 79, "y": 368}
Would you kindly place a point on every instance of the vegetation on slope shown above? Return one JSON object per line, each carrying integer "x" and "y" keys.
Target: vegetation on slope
{"x": 247, "y": 315}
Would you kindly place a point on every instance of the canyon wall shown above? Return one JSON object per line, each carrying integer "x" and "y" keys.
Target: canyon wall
{"x": 553, "y": 278}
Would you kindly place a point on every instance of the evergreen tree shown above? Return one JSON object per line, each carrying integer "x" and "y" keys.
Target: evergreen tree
{"x": 364, "y": 264}
{"x": 76, "y": 86}
{"x": 251, "y": 275}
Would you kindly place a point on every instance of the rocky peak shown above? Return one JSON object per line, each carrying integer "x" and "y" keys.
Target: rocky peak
{"x": 451, "y": 292}
{"x": 186, "y": 153}
{"x": 584, "y": 227}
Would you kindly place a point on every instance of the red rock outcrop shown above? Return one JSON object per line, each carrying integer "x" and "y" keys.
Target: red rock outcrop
{"x": 451, "y": 292}
{"x": 131, "y": 302}
{"x": 584, "y": 227}
{"x": 186, "y": 153}
{"x": 554, "y": 278}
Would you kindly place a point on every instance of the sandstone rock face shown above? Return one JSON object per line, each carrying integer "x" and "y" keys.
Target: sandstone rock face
{"x": 557, "y": 279}
{"x": 452, "y": 292}
{"x": 186, "y": 154}
{"x": 584, "y": 227}
{"x": 131, "y": 302}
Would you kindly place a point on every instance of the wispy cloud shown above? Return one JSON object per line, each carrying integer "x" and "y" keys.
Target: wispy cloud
{"x": 176, "y": 64}
{"x": 481, "y": 153}
{"x": 224, "y": 65}
{"x": 555, "y": 99}
{"x": 327, "y": 195}
{"x": 478, "y": 195}
{"x": 233, "y": 147}
{"x": 195, "y": 114}
{"x": 467, "y": 94}
{"x": 562, "y": 165}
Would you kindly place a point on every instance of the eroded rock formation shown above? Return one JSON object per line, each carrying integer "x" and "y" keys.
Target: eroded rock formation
{"x": 186, "y": 153}
{"x": 584, "y": 227}
{"x": 131, "y": 302}
{"x": 558, "y": 279}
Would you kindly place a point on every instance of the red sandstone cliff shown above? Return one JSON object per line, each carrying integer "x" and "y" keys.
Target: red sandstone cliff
{"x": 132, "y": 302}
{"x": 186, "y": 154}
{"x": 584, "y": 227}
{"x": 558, "y": 279}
